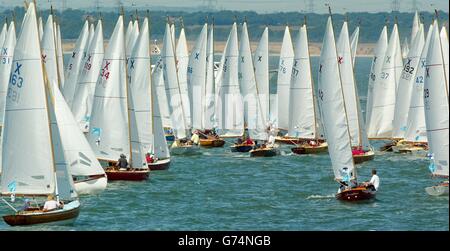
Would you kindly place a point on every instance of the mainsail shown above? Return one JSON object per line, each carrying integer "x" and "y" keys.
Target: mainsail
{"x": 109, "y": 132}
{"x": 284, "y": 79}
{"x": 331, "y": 101}
{"x": 437, "y": 105}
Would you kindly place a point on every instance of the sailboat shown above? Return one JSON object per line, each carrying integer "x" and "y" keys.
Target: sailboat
{"x": 182, "y": 144}
{"x": 88, "y": 175}
{"x": 6, "y": 58}
{"x": 182, "y": 56}
{"x": 75, "y": 64}
{"x": 383, "y": 94}
{"x": 255, "y": 105}
{"x": 111, "y": 129}
{"x": 283, "y": 85}
{"x": 361, "y": 149}
{"x": 31, "y": 102}
{"x": 303, "y": 117}
{"x": 147, "y": 134}
{"x": 207, "y": 137}
{"x": 354, "y": 43}
{"x": 436, "y": 101}
{"x": 84, "y": 91}
{"x": 229, "y": 108}
{"x": 335, "y": 122}
{"x": 411, "y": 82}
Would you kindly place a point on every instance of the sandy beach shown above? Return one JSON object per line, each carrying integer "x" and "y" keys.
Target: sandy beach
{"x": 364, "y": 49}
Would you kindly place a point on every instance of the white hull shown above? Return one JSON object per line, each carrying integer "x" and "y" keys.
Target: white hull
{"x": 91, "y": 187}
{"x": 437, "y": 190}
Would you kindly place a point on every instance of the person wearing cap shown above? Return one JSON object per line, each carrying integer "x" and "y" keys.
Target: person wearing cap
{"x": 51, "y": 204}
{"x": 26, "y": 205}
{"x": 122, "y": 163}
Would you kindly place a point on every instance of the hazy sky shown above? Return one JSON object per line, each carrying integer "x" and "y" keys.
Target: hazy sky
{"x": 262, "y": 6}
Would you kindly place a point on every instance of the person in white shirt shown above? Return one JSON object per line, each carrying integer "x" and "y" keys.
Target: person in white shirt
{"x": 51, "y": 204}
{"x": 375, "y": 180}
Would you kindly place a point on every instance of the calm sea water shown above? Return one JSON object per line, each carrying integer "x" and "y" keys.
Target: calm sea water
{"x": 220, "y": 190}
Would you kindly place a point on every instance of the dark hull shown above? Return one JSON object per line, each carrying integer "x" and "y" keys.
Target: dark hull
{"x": 159, "y": 166}
{"x": 269, "y": 152}
{"x": 356, "y": 194}
{"x": 358, "y": 159}
{"x": 388, "y": 147}
{"x": 29, "y": 219}
{"x": 170, "y": 138}
{"x": 309, "y": 149}
{"x": 241, "y": 148}
{"x": 212, "y": 142}
{"x": 128, "y": 175}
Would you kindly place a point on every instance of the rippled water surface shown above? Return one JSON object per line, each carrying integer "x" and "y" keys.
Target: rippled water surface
{"x": 220, "y": 190}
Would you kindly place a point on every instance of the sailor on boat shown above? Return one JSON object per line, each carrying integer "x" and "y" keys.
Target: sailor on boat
{"x": 122, "y": 163}
{"x": 151, "y": 158}
{"x": 51, "y": 204}
{"x": 374, "y": 181}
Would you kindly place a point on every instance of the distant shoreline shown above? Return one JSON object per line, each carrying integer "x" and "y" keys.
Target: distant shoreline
{"x": 364, "y": 49}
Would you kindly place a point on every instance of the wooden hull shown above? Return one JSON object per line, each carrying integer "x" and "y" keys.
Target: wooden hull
{"x": 288, "y": 141}
{"x": 212, "y": 142}
{"x": 356, "y": 194}
{"x": 357, "y": 159}
{"x": 135, "y": 175}
{"x": 439, "y": 190}
{"x": 160, "y": 165}
{"x": 267, "y": 152}
{"x": 323, "y": 148}
{"x": 410, "y": 148}
{"x": 39, "y": 217}
{"x": 241, "y": 148}
{"x": 388, "y": 147}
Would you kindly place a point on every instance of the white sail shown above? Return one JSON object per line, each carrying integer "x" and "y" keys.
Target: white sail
{"x": 284, "y": 79}
{"x": 74, "y": 65}
{"x": 59, "y": 55}
{"x": 109, "y": 133}
{"x": 209, "y": 113}
{"x": 444, "y": 42}
{"x": 405, "y": 86}
{"x": 25, "y": 106}
{"x": 160, "y": 88}
{"x": 349, "y": 86}
{"x": 172, "y": 86}
{"x": 436, "y": 105}
{"x": 415, "y": 26}
{"x": 331, "y": 101}
{"x": 416, "y": 130}
{"x": 131, "y": 41}
{"x": 302, "y": 119}
{"x": 3, "y": 33}
{"x": 159, "y": 146}
{"x": 384, "y": 90}
{"x": 49, "y": 50}
{"x": 78, "y": 153}
{"x": 40, "y": 29}
{"x": 6, "y": 59}
{"x": 405, "y": 48}
{"x": 182, "y": 61}
{"x": 128, "y": 32}
{"x": 196, "y": 76}
{"x": 84, "y": 91}
{"x": 354, "y": 43}
{"x": 375, "y": 70}
{"x": 253, "y": 115}
{"x": 261, "y": 64}
{"x": 229, "y": 107}
{"x": 140, "y": 107}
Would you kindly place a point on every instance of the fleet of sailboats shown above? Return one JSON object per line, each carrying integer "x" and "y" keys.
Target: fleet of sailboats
{"x": 106, "y": 116}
